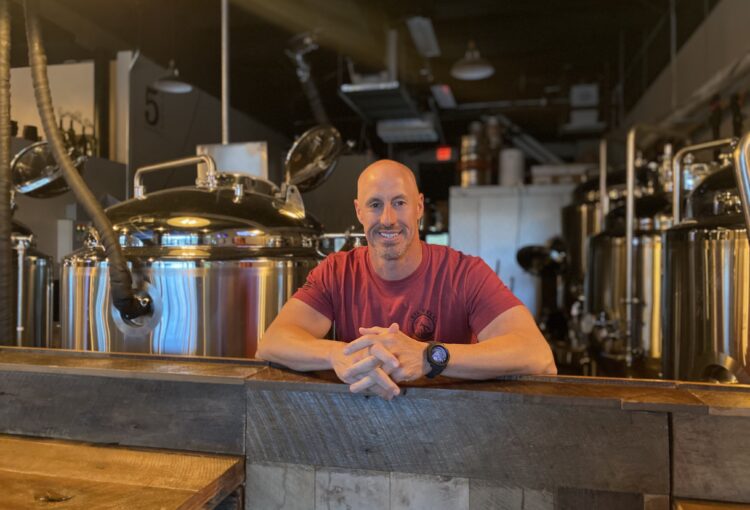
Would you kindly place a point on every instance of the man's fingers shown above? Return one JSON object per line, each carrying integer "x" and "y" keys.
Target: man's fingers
{"x": 390, "y": 362}
{"x": 362, "y": 367}
{"x": 362, "y": 384}
{"x": 393, "y": 328}
{"x": 374, "y": 330}
{"x": 385, "y": 382}
{"x": 380, "y": 392}
{"x": 375, "y": 379}
{"x": 359, "y": 344}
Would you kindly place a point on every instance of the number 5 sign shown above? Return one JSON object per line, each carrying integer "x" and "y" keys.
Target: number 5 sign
{"x": 152, "y": 112}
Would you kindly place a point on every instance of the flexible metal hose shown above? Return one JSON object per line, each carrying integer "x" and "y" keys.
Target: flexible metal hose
{"x": 121, "y": 284}
{"x": 6, "y": 227}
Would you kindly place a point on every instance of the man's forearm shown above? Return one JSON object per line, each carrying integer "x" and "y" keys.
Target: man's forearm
{"x": 295, "y": 348}
{"x": 501, "y": 355}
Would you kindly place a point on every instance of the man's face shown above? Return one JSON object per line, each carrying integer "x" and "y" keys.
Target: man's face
{"x": 389, "y": 207}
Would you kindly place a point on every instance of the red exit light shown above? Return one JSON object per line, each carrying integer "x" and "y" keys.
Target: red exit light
{"x": 444, "y": 153}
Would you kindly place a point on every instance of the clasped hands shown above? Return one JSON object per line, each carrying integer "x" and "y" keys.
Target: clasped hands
{"x": 378, "y": 360}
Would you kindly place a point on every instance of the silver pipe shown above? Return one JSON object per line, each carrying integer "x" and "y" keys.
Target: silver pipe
{"x": 603, "y": 195}
{"x": 629, "y": 218}
{"x": 225, "y": 71}
{"x": 129, "y": 156}
{"x": 740, "y": 154}
{"x": 211, "y": 174}
{"x": 677, "y": 172}
{"x": 629, "y": 224}
{"x": 21, "y": 245}
{"x": 673, "y": 51}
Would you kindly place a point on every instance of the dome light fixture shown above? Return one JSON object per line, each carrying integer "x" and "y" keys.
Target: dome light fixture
{"x": 472, "y": 66}
{"x": 170, "y": 82}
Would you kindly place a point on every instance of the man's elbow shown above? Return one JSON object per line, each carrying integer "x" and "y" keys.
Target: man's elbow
{"x": 544, "y": 362}
{"x": 265, "y": 349}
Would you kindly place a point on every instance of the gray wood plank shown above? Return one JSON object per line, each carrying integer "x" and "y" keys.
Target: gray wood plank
{"x": 711, "y": 458}
{"x": 531, "y": 446}
{"x": 279, "y": 487}
{"x": 410, "y": 491}
{"x": 575, "y": 499}
{"x": 346, "y": 489}
{"x": 164, "y": 414}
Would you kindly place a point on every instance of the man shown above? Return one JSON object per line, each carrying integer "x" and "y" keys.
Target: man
{"x": 390, "y": 297}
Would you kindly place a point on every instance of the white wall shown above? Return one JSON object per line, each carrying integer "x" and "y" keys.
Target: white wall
{"x": 72, "y": 87}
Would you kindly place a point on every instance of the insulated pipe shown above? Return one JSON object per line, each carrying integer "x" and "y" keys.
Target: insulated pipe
{"x": 740, "y": 154}
{"x": 124, "y": 297}
{"x": 603, "y": 195}
{"x": 677, "y": 172}
{"x": 225, "y": 71}
{"x": 6, "y": 226}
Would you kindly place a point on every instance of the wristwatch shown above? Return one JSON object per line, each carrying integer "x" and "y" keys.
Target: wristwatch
{"x": 437, "y": 356}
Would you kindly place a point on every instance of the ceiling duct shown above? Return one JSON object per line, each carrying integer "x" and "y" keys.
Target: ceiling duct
{"x": 415, "y": 130}
{"x": 379, "y": 96}
{"x": 382, "y": 99}
{"x": 300, "y": 46}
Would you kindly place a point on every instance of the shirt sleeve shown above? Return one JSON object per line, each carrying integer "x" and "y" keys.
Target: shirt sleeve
{"x": 316, "y": 291}
{"x": 486, "y": 295}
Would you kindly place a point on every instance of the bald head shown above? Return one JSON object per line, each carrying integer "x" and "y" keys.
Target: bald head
{"x": 386, "y": 171}
{"x": 389, "y": 207}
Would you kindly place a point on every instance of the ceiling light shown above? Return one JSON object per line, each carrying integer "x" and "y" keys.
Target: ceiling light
{"x": 170, "y": 82}
{"x": 472, "y": 66}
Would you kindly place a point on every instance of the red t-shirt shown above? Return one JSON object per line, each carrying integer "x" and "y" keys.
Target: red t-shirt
{"x": 450, "y": 298}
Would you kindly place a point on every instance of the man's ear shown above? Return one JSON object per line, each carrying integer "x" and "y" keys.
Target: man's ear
{"x": 357, "y": 210}
{"x": 420, "y": 205}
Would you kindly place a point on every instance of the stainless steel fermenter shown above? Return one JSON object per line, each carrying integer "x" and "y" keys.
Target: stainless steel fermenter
{"x": 707, "y": 286}
{"x": 218, "y": 260}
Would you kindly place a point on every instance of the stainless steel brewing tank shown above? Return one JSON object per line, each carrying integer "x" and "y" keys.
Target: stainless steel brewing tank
{"x": 32, "y": 288}
{"x": 582, "y": 218}
{"x": 218, "y": 264}
{"x": 707, "y": 287}
{"x": 606, "y": 284}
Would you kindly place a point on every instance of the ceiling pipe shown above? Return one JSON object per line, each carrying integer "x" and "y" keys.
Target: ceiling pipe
{"x": 224, "y": 72}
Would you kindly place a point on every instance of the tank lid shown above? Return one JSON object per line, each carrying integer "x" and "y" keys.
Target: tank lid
{"x": 717, "y": 195}
{"x": 588, "y": 191}
{"x": 313, "y": 157}
{"x": 37, "y": 174}
{"x": 651, "y": 213}
{"x": 191, "y": 216}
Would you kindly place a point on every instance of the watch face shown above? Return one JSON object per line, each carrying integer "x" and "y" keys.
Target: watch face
{"x": 439, "y": 355}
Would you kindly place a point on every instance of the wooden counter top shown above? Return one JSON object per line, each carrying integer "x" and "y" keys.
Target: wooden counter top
{"x": 627, "y": 394}
{"x": 44, "y": 473}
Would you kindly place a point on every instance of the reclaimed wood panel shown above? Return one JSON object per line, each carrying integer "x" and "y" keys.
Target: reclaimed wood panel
{"x": 176, "y": 415}
{"x": 279, "y": 487}
{"x": 682, "y": 504}
{"x": 576, "y": 499}
{"x": 409, "y": 491}
{"x": 43, "y": 473}
{"x": 711, "y": 459}
{"x": 133, "y": 366}
{"x": 531, "y": 446}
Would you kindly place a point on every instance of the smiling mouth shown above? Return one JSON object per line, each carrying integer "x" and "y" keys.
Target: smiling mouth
{"x": 389, "y": 235}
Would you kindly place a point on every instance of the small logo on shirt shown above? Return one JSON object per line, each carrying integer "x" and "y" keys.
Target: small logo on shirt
{"x": 423, "y": 324}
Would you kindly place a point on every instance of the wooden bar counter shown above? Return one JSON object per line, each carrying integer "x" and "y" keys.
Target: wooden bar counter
{"x": 524, "y": 442}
